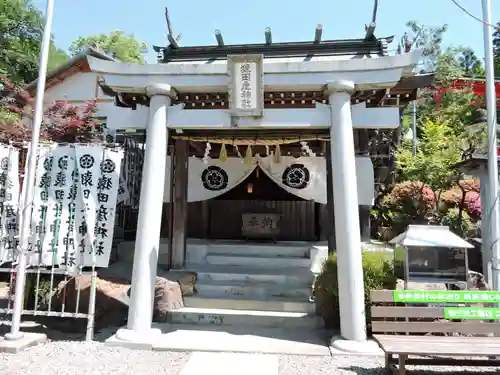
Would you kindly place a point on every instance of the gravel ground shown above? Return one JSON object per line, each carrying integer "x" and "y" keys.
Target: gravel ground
{"x": 298, "y": 365}
{"x": 70, "y": 358}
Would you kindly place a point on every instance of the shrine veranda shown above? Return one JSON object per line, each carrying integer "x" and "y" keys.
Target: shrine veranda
{"x": 286, "y": 141}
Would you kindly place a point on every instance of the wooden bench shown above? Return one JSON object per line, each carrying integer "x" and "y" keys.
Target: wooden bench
{"x": 405, "y": 330}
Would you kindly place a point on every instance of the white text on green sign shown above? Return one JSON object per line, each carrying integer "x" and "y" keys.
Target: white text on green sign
{"x": 433, "y": 296}
{"x": 472, "y": 313}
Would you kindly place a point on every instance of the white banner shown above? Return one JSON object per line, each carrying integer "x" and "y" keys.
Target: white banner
{"x": 211, "y": 179}
{"x": 304, "y": 177}
{"x": 40, "y": 203}
{"x": 74, "y": 205}
{"x": 9, "y": 201}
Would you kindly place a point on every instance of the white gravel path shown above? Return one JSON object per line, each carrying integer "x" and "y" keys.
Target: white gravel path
{"x": 74, "y": 358}
{"x": 71, "y": 358}
{"x": 362, "y": 365}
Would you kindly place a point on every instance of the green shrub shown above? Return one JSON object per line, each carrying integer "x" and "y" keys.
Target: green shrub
{"x": 378, "y": 273}
{"x": 461, "y": 225}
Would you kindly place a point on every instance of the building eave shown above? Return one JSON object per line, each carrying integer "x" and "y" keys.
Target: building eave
{"x": 78, "y": 63}
{"x": 415, "y": 82}
{"x": 473, "y": 165}
{"x": 292, "y": 76}
{"x": 406, "y": 62}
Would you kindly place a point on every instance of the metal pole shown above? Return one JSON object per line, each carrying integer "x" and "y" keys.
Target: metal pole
{"x": 414, "y": 128}
{"x": 30, "y": 177}
{"x": 492, "y": 145}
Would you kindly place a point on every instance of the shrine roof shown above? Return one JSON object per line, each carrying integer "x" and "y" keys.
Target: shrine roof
{"x": 334, "y": 49}
{"x": 430, "y": 236}
{"x": 474, "y": 164}
{"x": 76, "y": 64}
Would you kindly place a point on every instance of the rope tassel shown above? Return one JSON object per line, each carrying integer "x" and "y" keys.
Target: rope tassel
{"x": 277, "y": 154}
{"x": 223, "y": 153}
{"x": 248, "y": 155}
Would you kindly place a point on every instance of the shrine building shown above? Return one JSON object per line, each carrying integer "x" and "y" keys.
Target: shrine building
{"x": 256, "y": 160}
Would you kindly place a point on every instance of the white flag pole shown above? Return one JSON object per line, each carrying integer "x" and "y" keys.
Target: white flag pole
{"x": 29, "y": 180}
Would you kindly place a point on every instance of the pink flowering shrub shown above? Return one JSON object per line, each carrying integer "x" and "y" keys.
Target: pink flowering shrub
{"x": 472, "y": 204}
{"x": 413, "y": 196}
{"x": 452, "y": 198}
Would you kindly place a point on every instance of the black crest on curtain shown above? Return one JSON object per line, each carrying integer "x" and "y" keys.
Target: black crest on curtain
{"x": 214, "y": 178}
{"x": 296, "y": 176}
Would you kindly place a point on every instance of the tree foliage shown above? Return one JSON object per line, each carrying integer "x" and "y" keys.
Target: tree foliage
{"x": 62, "y": 122}
{"x": 470, "y": 64}
{"x": 446, "y": 134}
{"x": 447, "y": 64}
{"x": 57, "y": 57}
{"x": 496, "y": 49}
{"x": 429, "y": 39}
{"x": 118, "y": 44}
{"x": 438, "y": 151}
{"x": 451, "y": 107}
{"x": 21, "y": 31}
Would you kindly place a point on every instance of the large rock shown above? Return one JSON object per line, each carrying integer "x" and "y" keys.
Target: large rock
{"x": 113, "y": 296}
{"x": 112, "y": 302}
{"x": 168, "y": 297}
{"x": 186, "y": 280}
{"x": 123, "y": 270}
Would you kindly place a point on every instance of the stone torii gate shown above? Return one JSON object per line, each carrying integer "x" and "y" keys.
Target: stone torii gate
{"x": 154, "y": 93}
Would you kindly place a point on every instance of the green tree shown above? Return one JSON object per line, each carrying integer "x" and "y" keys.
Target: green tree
{"x": 118, "y": 44}
{"x": 444, "y": 136}
{"x": 448, "y": 64}
{"x": 452, "y": 107}
{"x": 470, "y": 63}
{"x": 431, "y": 174}
{"x": 57, "y": 57}
{"x": 438, "y": 151}
{"x": 21, "y": 29}
{"x": 496, "y": 49}
{"x": 427, "y": 38}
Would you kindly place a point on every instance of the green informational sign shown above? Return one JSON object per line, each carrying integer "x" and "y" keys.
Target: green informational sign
{"x": 449, "y": 296}
{"x": 472, "y": 313}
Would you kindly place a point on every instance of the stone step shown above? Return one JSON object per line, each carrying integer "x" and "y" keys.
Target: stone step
{"x": 260, "y": 289}
{"x": 258, "y": 261}
{"x": 243, "y": 339}
{"x": 269, "y": 250}
{"x": 225, "y": 317}
{"x": 252, "y": 275}
{"x": 235, "y": 302}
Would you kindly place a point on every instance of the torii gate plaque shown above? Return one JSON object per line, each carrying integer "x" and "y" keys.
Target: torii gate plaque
{"x": 246, "y": 85}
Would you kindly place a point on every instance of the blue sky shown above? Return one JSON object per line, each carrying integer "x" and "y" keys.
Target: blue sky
{"x": 244, "y": 21}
